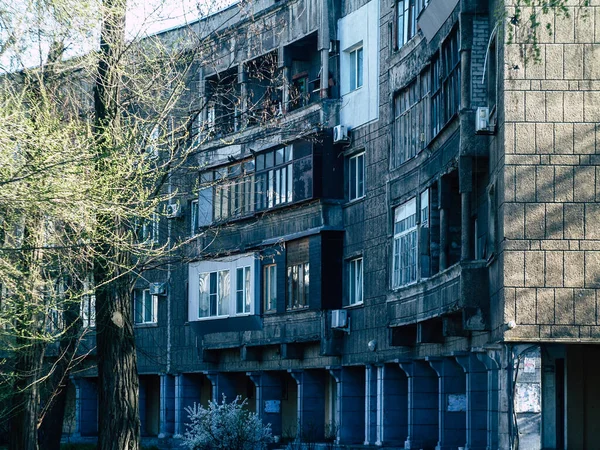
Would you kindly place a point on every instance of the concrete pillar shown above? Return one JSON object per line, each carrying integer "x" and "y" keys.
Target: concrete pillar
{"x": 370, "y": 405}
{"x": 477, "y": 398}
{"x": 86, "y": 393}
{"x": 268, "y": 399}
{"x": 422, "y": 405}
{"x": 167, "y": 406}
{"x": 465, "y": 182}
{"x": 492, "y": 367}
{"x": 350, "y": 424}
{"x": 394, "y": 406}
{"x": 452, "y": 407}
{"x": 222, "y": 385}
{"x": 188, "y": 389}
{"x": 325, "y": 71}
{"x": 444, "y": 205}
{"x": 311, "y": 404}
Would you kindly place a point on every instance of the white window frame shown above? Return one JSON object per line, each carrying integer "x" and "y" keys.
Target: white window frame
{"x": 356, "y": 188}
{"x": 208, "y": 301}
{"x": 146, "y": 297}
{"x": 405, "y": 244}
{"x": 193, "y": 217}
{"x": 270, "y": 288}
{"x": 355, "y": 281}
{"x": 356, "y": 67}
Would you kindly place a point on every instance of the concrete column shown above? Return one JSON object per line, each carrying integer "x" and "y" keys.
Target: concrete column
{"x": 86, "y": 393}
{"x": 188, "y": 388}
{"x": 325, "y": 72}
{"x": 477, "y": 398}
{"x": 444, "y": 205}
{"x": 167, "y": 406}
{"x": 395, "y": 406}
{"x": 222, "y": 385}
{"x": 465, "y": 174}
{"x": 351, "y": 405}
{"x": 451, "y": 404}
{"x": 311, "y": 404}
{"x": 370, "y": 405}
{"x": 422, "y": 405}
{"x": 268, "y": 399}
{"x": 492, "y": 367}
{"x": 379, "y": 407}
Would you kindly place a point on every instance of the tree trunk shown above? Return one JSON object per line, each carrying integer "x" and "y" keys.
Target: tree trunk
{"x": 118, "y": 411}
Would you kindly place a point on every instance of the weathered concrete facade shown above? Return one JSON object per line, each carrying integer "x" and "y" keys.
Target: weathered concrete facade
{"x": 428, "y": 282}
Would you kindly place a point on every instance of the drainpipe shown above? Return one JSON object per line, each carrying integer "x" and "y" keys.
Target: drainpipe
{"x": 324, "y": 39}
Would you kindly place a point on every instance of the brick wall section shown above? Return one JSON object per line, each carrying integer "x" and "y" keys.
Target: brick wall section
{"x": 478, "y": 62}
{"x": 551, "y": 220}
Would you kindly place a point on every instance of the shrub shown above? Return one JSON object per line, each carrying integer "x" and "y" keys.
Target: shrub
{"x": 225, "y": 426}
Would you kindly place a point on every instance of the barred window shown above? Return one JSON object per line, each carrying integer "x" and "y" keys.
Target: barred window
{"x": 411, "y": 118}
{"x": 405, "y": 244}
{"x": 445, "y": 83}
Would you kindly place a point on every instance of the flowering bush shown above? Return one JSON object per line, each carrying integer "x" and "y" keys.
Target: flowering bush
{"x": 225, "y": 426}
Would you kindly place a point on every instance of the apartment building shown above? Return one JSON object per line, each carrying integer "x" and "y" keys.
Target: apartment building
{"x": 392, "y": 221}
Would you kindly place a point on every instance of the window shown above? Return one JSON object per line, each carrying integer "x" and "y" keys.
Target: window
{"x": 233, "y": 190}
{"x": 214, "y": 294}
{"x": 145, "y": 306}
{"x": 298, "y": 277}
{"x": 274, "y": 177}
{"x": 356, "y": 168}
{"x": 149, "y": 231}
{"x": 355, "y": 285}
{"x": 356, "y": 68}
{"x": 270, "y": 288}
{"x": 445, "y": 83}
{"x": 152, "y": 144}
{"x": 405, "y": 244}
{"x": 88, "y": 303}
{"x": 223, "y": 100}
{"x": 222, "y": 288}
{"x": 407, "y": 13}
{"x": 193, "y": 216}
{"x": 410, "y": 121}
{"x": 243, "y": 294}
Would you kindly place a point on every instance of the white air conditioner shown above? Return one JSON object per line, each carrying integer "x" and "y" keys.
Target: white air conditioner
{"x": 173, "y": 210}
{"x": 482, "y": 120}
{"x": 340, "y": 135}
{"x": 158, "y": 288}
{"x": 339, "y": 318}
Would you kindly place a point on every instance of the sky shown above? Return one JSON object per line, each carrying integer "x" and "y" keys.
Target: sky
{"x": 143, "y": 17}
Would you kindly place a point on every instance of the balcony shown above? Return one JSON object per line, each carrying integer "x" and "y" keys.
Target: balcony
{"x": 460, "y": 288}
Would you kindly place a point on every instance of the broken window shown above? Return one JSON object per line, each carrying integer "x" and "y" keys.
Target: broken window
{"x": 264, "y": 89}
{"x": 223, "y": 103}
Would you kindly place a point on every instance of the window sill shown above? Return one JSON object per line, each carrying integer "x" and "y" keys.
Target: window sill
{"x": 355, "y": 305}
{"x": 146, "y": 325}
{"x": 229, "y": 316}
{"x": 355, "y": 200}
{"x": 292, "y": 310}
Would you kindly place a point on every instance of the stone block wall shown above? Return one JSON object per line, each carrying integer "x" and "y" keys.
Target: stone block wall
{"x": 550, "y": 245}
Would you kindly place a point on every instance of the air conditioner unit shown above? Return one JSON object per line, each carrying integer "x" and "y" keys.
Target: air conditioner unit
{"x": 158, "y": 288}
{"x": 482, "y": 120}
{"x": 339, "y": 318}
{"x": 173, "y": 210}
{"x": 340, "y": 135}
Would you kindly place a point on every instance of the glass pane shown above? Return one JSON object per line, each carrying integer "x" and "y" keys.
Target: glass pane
{"x": 279, "y": 154}
{"x": 239, "y": 290}
{"x": 213, "y": 294}
{"x": 278, "y": 188}
{"x": 268, "y": 160}
{"x": 289, "y": 151}
{"x": 248, "y": 292}
{"x": 273, "y": 288}
{"x": 360, "y": 189}
{"x": 147, "y": 306}
{"x": 289, "y": 183}
{"x": 203, "y": 299}
{"x": 359, "y": 67}
{"x": 352, "y": 288}
{"x": 289, "y": 288}
{"x": 260, "y": 162}
{"x": 137, "y": 301}
{"x": 224, "y": 293}
{"x": 353, "y": 70}
{"x": 306, "y": 285}
{"x": 359, "y": 280}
